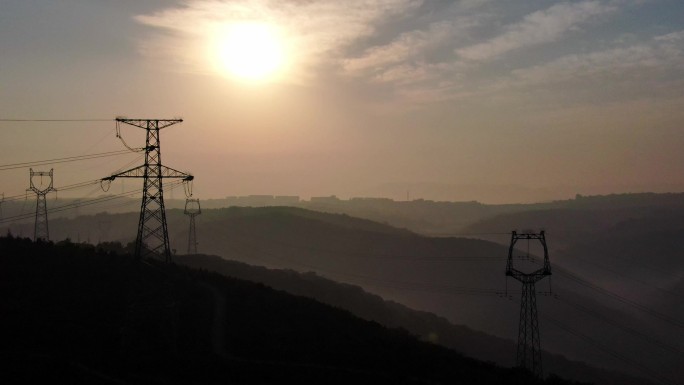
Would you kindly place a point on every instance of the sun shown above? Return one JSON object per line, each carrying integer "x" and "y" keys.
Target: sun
{"x": 252, "y": 51}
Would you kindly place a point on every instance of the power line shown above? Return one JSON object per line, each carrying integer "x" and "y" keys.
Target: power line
{"x": 651, "y": 373}
{"x": 55, "y": 120}
{"x": 71, "y": 206}
{"x": 13, "y": 166}
{"x": 62, "y": 188}
{"x": 171, "y": 186}
{"x": 612, "y": 322}
{"x": 618, "y": 297}
{"x": 584, "y": 282}
{"x": 450, "y": 234}
{"x": 595, "y": 343}
{"x": 619, "y": 274}
{"x": 77, "y": 204}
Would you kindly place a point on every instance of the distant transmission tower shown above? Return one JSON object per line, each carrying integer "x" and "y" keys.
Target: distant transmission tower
{"x": 153, "y": 235}
{"x": 529, "y": 346}
{"x": 192, "y": 209}
{"x": 40, "y": 230}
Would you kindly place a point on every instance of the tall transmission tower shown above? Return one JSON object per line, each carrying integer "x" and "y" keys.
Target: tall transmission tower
{"x": 40, "y": 229}
{"x": 192, "y": 209}
{"x": 153, "y": 234}
{"x": 529, "y": 346}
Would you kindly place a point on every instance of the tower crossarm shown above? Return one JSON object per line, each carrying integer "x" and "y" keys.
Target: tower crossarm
{"x": 515, "y": 237}
{"x": 192, "y": 207}
{"x": 539, "y": 236}
{"x": 37, "y": 189}
{"x": 144, "y": 123}
{"x": 139, "y": 172}
{"x": 528, "y": 277}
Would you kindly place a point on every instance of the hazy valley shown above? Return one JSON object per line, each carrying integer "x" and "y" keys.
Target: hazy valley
{"x": 600, "y": 311}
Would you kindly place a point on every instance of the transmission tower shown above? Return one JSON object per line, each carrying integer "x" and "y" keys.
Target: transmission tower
{"x": 153, "y": 235}
{"x": 529, "y": 346}
{"x": 192, "y": 209}
{"x": 40, "y": 230}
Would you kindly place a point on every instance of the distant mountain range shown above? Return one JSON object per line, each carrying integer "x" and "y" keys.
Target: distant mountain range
{"x": 438, "y": 218}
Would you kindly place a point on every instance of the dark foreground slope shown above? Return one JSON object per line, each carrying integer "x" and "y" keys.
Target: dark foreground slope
{"x": 72, "y": 314}
{"x": 425, "y": 325}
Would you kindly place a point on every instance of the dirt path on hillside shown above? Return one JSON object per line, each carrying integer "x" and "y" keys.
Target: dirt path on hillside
{"x": 218, "y": 324}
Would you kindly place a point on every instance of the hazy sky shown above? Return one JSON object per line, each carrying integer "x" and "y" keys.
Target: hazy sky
{"x": 497, "y": 101}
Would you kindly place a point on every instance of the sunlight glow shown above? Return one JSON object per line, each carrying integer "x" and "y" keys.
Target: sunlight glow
{"x": 250, "y": 51}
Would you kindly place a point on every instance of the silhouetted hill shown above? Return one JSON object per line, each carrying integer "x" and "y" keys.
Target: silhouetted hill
{"x": 427, "y": 326}
{"x": 76, "y": 314}
{"x": 319, "y": 218}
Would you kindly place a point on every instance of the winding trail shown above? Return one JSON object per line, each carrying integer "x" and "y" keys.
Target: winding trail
{"x": 218, "y": 323}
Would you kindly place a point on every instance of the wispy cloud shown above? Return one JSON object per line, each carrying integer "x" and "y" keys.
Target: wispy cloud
{"x": 410, "y": 47}
{"x": 419, "y": 63}
{"x": 537, "y": 28}
{"x": 314, "y": 31}
{"x": 645, "y": 60}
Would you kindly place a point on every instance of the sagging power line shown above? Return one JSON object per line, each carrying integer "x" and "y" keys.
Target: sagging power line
{"x": 14, "y": 166}
{"x": 54, "y": 120}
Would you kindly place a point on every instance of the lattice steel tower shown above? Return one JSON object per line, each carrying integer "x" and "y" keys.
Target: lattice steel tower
{"x": 529, "y": 346}
{"x": 192, "y": 209}
{"x": 40, "y": 229}
{"x": 153, "y": 235}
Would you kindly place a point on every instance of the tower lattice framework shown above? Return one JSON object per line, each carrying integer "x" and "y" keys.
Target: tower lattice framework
{"x": 40, "y": 228}
{"x": 153, "y": 236}
{"x": 192, "y": 209}
{"x": 529, "y": 346}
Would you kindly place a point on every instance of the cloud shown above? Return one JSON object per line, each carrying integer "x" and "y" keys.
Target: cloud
{"x": 537, "y": 28}
{"x": 646, "y": 60}
{"x": 405, "y": 47}
{"x": 673, "y": 37}
{"x": 413, "y": 46}
{"x": 419, "y": 63}
{"x": 314, "y": 31}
